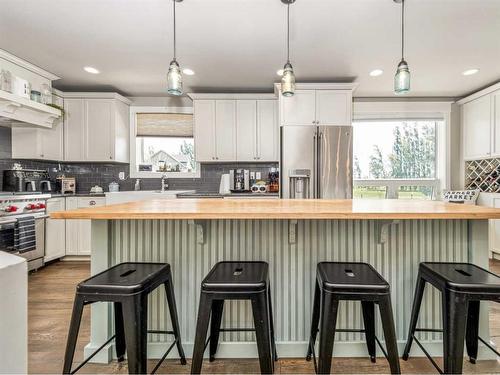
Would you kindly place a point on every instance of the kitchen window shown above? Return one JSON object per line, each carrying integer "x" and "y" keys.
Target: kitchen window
{"x": 395, "y": 158}
{"x": 162, "y": 142}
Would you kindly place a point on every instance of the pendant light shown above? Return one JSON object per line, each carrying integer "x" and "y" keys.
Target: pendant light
{"x": 174, "y": 75}
{"x": 402, "y": 77}
{"x": 288, "y": 78}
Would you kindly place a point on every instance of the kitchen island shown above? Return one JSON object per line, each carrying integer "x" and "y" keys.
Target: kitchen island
{"x": 292, "y": 236}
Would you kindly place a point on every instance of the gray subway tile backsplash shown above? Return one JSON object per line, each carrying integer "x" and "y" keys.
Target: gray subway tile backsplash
{"x": 90, "y": 174}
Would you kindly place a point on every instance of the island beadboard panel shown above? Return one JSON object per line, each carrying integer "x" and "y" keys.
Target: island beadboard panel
{"x": 292, "y": 269}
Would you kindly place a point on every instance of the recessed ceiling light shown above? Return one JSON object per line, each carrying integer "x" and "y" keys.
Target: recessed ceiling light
{"x": 91, "y": 70}
{"x": 188, "y": 72}
{"x": 470, "y": 72}
{"x": 376, "y": 72}
{"x": 280, "y": 72}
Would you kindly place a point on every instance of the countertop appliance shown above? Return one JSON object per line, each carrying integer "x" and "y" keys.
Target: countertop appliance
{"x": 66, "y": 185}
{"x": 26, "y": 180}
{"x": 239, "y": 180}
{"x": 316, "y": 162}
{"x": 225, "y": 185}
{"x": 16, "y": 212}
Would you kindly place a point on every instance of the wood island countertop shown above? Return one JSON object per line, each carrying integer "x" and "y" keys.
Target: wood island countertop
{"x": 281, "y": 209}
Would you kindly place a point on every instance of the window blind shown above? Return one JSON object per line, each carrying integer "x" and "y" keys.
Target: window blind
{"x": 164, "y": 125}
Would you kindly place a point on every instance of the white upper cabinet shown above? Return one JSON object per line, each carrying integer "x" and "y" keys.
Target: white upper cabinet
{"x": 246, "y": 132}
{"x": 299, "y": 109}
{"x": 74, "y": 129}
{"x": 99, "y": 115}
{"x": 477, "y": 127}
{"x": 225, "y": 130}
{"x": 235, "y": 127}
{"x": 267, "y": 130}
{"x": 495, "y": 131}
{"x": 37, "y": 142}
{"x": 317, "y": 104}
{"x": 96, "y": 127}
{"x": 204, "y": 130}
{"x": 334, "y": 107}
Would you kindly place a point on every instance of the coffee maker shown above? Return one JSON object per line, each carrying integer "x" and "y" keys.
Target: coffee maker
{"x": 239, "y": 180}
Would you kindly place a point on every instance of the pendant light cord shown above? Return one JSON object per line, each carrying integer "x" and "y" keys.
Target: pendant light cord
{"x": 402, "y": 29}
{"x": 288, "y": 34}
{"x": 175, "y": 37}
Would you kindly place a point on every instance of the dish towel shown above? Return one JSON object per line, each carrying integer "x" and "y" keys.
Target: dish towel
{"x": 24, "y": 234}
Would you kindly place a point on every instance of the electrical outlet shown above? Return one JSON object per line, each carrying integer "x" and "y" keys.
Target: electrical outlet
{"x": 257, "y": 175}
{"x": 121, "y": 176}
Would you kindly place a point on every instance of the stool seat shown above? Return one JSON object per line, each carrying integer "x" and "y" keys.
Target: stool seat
{"x": 126, "y": 278}
{"x": 343, "y": 277}
{"x": 227, "y": 277}
{"x": 461, "y": 277}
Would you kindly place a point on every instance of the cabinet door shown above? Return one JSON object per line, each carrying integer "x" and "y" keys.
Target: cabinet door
{"x": 267, "y": 130}
{"x": 84, "y": 227}
{"x": 55, "y": 231}
{"x": 225, "y": 130}
{"x": 246, "y": 130}
{"x": 476, "y": 120}
{"x": 334, "y": 107}
{"x": 495, "y": 131}
{"x": 299, "y": 109}
{"x": 99, "y": 120}
{"x": 53, "y": 139}
{"x": 204, "y": 130}
{"x": 26, "y": 143}
{"x": 72, "y": 229}
{"x": 74, "y": 119}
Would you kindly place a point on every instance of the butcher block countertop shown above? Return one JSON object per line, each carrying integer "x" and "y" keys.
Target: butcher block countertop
{"x": 281, "y": 209}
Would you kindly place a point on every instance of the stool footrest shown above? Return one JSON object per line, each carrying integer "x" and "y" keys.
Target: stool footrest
{"x": 428, "y": 355}
{"x": 237, "y": 330}
{"x": 489, "y": 346}
{"x": 164, "y": 356}
{"x": 92, "y": 355}
{"x": 428, "y": 330}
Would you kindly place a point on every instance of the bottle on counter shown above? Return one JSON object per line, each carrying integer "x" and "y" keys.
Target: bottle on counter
{"x": 274, "y": 180}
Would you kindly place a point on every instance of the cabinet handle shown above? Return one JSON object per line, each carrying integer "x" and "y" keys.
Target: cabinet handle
{"x": 111, "y": 158}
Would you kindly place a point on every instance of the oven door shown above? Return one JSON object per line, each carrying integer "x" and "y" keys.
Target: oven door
{"x": 7, "y": 227}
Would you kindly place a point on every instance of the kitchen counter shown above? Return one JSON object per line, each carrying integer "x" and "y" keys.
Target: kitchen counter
{"x": 60, "y": 195}
{"x": 282, "y": 209}
{"x": 394, "y": 236}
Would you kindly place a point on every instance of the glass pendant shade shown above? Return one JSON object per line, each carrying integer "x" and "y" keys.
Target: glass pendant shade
{"x": 288, "y": 80}
{"x": 402, "y": 79}
{"x": 174, "y": 79}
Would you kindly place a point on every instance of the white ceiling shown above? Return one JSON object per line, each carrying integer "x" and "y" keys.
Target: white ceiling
{"x": 237, "y": 45}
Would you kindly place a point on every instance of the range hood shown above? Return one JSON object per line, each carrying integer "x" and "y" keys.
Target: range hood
{"x": 15, "y": 110}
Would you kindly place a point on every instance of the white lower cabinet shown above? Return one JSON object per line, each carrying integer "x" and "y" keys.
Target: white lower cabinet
{"x": 55, "y": 231}
{"x": 78, "y": 232}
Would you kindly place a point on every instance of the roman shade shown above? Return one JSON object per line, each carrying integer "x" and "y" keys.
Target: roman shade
{"x": 164, "y": 125}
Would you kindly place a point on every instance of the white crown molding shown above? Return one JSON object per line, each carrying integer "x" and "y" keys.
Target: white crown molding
{"x": 230, "y": 96}
{"x": 96, "y": 95}
{"x": 320, "y": 86}
{"x": 478, "y": 94}
{"x": 26, "y": 65}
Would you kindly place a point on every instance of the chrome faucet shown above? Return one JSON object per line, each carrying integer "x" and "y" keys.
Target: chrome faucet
{"x": 164, "y": 183}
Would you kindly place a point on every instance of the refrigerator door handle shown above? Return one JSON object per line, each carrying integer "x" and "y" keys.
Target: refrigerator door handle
{"x": 318, "y": 173}
{"x": 312, "y": 192}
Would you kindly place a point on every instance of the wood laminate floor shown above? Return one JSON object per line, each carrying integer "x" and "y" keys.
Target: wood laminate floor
{"x": 51, "y": 292}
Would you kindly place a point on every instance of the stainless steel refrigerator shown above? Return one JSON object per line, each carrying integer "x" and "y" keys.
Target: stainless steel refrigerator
{"x": 316, "y": 162}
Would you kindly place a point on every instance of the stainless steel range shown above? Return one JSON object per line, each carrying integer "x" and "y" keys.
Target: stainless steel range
{"x": 22, "y": 226}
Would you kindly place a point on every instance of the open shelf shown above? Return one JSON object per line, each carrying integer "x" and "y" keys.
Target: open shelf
{"x": 27, "y": 111}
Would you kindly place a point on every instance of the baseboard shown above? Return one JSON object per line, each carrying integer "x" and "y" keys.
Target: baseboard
{"x": 76, "y": 258}
{"x": 285, "y": 350}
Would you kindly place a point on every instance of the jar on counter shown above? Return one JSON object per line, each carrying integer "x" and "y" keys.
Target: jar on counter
{"x": 114, "y": 187}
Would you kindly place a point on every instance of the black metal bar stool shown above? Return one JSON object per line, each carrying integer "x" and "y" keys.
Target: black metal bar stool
{"x": 127, "y": 285}
{"x": 337, "y": 281}
{"x": 235, "y": 281}
{"x": 462, "y": 287}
